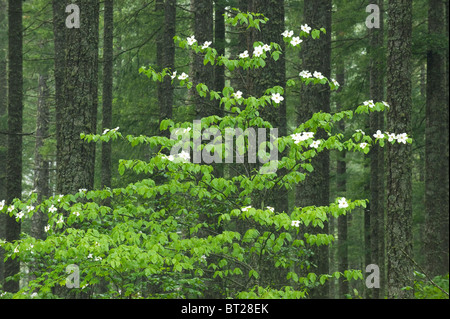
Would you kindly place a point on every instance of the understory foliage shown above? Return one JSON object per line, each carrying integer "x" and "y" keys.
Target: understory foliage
{"x": 183, "y": 232}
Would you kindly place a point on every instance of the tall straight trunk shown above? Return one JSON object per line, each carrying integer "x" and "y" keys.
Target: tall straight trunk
{"x": 59, "y": 29}
{"x": 107, "y": 96}
{"x": 203, "y": 31}
{"x": 435, "y": 172}
{"x": 341, "y": 188}
{"x": 445, "y": 224}
{"x": 15, "y": 124}
{"x": 316, "y": 56}
{"x": 78, "y": 111}
{"x": 166, "y": 58}
{"x": 273, "y": 74}
{"x": 219, "y": 44}
{"x": 3, "y": 137}
{"x": 399, "y": 206}
{"x": 376, "y": 153}
{"x": 41, "y": 165}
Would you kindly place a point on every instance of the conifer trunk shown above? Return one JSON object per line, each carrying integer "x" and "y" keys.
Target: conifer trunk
{"x": 15, "y": 124}
{"x": 399, "y": 205}
{"x": 316, "y": 56}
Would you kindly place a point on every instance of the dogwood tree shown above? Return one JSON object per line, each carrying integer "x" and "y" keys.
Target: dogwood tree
{"x": 150, "y": 243}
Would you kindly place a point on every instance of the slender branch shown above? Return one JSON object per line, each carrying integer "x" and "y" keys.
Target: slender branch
{"x": 11, "y": 133}
{"x": 426, "y": 275}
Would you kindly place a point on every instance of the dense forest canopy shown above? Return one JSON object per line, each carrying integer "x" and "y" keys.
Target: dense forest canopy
{"x": 220, "y": 149}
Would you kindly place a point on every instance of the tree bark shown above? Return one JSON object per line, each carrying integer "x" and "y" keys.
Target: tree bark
{"x": 435, "y": 172}
{"x": 273, "y": 74}
{"x": 107, "y": 96}
{"x": 399, "y": 206}
{"x": 203, "y": 31}
{"x": 41, "y": 165}
{"x": 15, "y": 123}
{"x": 377, "y": 58}
{"x": 341, "y": 188}
{"x": 446, "y": 208}
{"x": 316, "y": 56}
{"x": 219, "y": 44}
{"x": 166, "y": 58}
{"x": 78, "y": 111}
{"x": 3, "y": 138}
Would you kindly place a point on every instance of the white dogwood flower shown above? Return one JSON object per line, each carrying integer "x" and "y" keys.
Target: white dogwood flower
{"x": 206, "y": 45}
{"x": 342, "y": 203}
{"x": 318, "y": 75}
{"x": 237, "y": 95}
{"x": 191, "y": 40}
{"x": 369, "y": 103}
{"x": 305, "y": 74}
{"x": 243, "y": 55}
{"x": 305, "y": 28}
{"x": 315, "y": 144}
{"x": 277, "y": 98}
{"x": 295, "y": 223}
{"x": 378, "y": 134}
{"x": 183, "y": 76}
{"x": 287, "y": 34}
{"x": 296, "y": 41}
{"x": 258, "y": 51}
{"x": 402, "y": 138}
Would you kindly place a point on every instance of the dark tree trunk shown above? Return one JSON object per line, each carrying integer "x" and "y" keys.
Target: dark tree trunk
{"x": 219, "y": 44}
{"x": 273, "y": 74}
{"x": 59, "y": 29}
{"x": 15, "y": 123}
{"x": 166, "y": 58}
{"x": 399, "y": 206}
{"x": 377, "y": 56}
{"x": 445, "y": 224}
{"x": 435, "y": 171}
{"x": 107, "y": 98}
{"x": 341, "y": 188}
{"x": 41, "y": 165}
{"x": 203, "y": 31}
{"x": 78, "y": 109}
{"x": 3, "y": 127}
{"x": 316, "y": 56}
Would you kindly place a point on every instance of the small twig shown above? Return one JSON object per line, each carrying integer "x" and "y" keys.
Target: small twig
{"x": 426, "y": 275}
{"x": 11, "y": 133}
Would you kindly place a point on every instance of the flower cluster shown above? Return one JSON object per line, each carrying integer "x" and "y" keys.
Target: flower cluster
{"x": 299, "y": 137}
{"x": 246, "y": 208}
{"x": 371, "y": 104}
{"x": 400, "y": 138}
{"x": 183, "y": 156}
{"x": 317, "y": 75}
